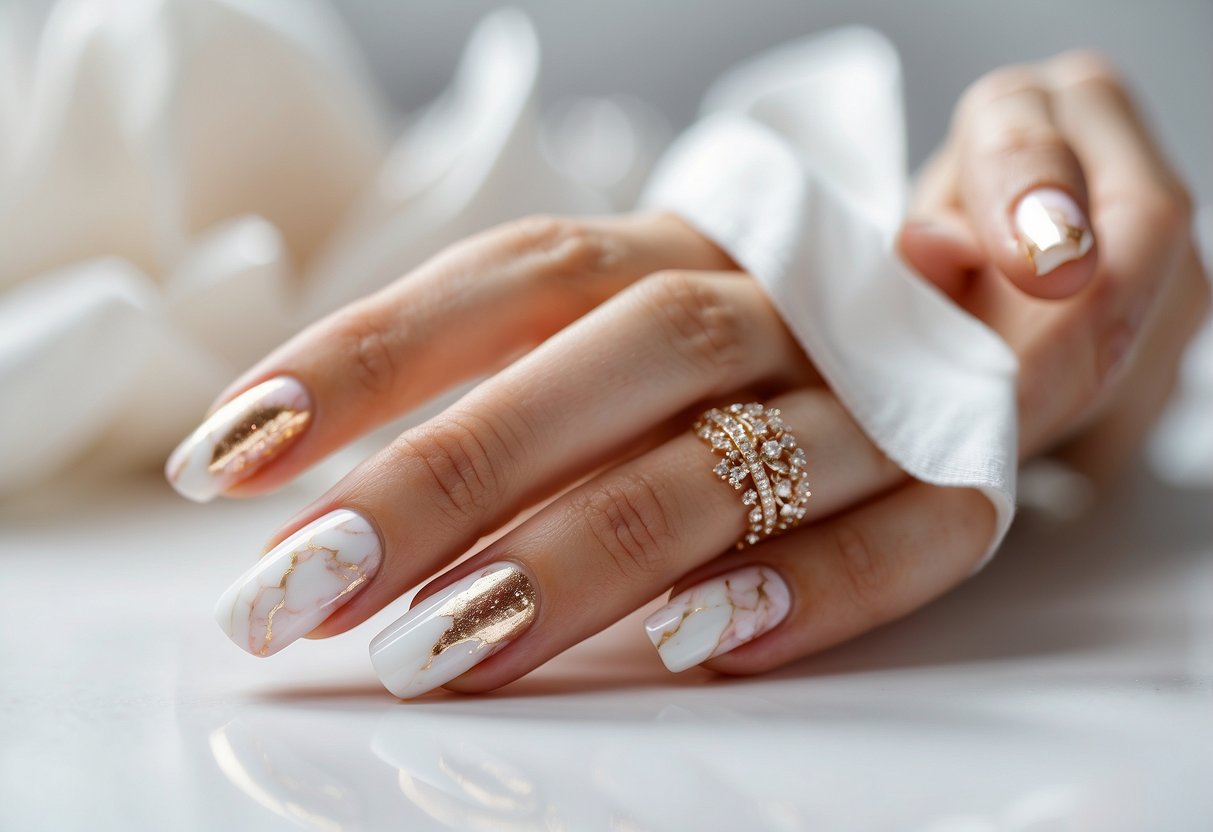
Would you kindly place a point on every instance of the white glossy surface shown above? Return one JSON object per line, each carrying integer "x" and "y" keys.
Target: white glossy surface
{"x": 1069, "y": 686}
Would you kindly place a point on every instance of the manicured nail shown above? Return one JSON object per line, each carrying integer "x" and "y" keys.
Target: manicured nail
{"x": 1052, "y": 228}
{"x": 300, "y": 582}
{"x": 451, "y": 632}
{"x": 239, "y": 438}
{"x": 717, "y": 616}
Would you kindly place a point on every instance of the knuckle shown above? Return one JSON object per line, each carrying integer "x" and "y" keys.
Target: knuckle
{"x": 535, "y": 230}
{"x": 559, "y": 247}
{"x": 1019, "y": 140}
{"x": 698, "y": 324}
{"x": 997, "y": 84}
{"x": 371, "y": 348}
{"x": 865, "y": 576}
{"x": 465, "y": 462}
{"x": 631, "y": 522}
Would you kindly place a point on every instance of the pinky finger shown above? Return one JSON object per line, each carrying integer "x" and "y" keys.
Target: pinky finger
{"x": 756, "y": 610}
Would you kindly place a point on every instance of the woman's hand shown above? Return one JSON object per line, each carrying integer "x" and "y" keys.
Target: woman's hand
{"x": 590, "y": 420}
{"x": 1099, "y": 336}
{"x": 593, "y": 420}
{"x": 609, "y": 396}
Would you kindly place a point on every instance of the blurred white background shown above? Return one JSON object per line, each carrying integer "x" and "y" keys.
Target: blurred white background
{"x": 668, "y": 52}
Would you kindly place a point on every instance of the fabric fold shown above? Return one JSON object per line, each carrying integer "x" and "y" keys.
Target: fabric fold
{"x": 768, "y": 176}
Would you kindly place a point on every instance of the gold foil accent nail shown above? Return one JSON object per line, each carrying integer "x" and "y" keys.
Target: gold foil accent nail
{"x": 494, "y": 609}
{"x": 260, "y": 435}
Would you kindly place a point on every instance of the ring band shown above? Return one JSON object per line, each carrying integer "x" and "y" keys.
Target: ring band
{"x": 757, "y": 447}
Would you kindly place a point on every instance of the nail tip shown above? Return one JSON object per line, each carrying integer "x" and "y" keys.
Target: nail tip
{"x": 678, "y": 667}
{"x": 1048, "y": 260}
{"x": 200, "y": 497}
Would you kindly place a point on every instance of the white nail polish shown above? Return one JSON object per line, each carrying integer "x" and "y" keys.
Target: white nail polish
{"x": 1052, "y": 228}
{"x": 717, "y": 616}
{"x": 300, "y": 582}
{"x": 239, "y": 438}
{"x": 454, "y": 630}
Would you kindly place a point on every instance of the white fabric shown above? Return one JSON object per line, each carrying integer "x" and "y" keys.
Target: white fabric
{"x": 797, "y": 170}
{"x": 185, "y": 183}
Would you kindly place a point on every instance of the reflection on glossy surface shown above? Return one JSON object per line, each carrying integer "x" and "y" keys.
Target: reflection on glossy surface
{"x": 280, "y": 780}
{"x": 461, "y": 783}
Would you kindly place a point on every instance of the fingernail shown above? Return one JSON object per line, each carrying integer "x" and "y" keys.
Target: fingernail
{"x": 1052, "y": 228}
{"x": 301, "y": 582}
{"x": 451, "y": 632}
{"x": 239, "y": 438}
{"x": 717, "y": 616}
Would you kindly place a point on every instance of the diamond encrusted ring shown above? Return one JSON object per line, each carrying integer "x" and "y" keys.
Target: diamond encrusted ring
{"x": 761, "y": 456}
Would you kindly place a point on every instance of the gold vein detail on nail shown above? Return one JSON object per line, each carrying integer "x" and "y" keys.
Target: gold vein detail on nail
{"x": 492, "y": 610}
{"x": 717, "y": 616}
{"x": 299, "y": 583}
{"x": 350, "y": 573}
{"x": 1076, "y": 240}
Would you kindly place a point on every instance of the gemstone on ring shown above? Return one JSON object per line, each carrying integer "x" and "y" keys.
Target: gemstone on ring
{"x": 758, "y": 448}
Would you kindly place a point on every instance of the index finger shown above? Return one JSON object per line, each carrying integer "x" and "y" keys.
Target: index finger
{"x": 460, "y": 315}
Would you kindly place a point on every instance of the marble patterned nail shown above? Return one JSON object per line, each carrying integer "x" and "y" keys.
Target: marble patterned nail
{"x": 1052, "y": 228}
{"x": 238, "y": 438}
{"x": 454, "y": 630}
{"x": 300, "y": 582}
{"x": 717, "y": 616}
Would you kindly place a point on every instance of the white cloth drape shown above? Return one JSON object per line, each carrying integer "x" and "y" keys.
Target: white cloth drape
{"x": 184, "y": 183}
{"x": 797, "y": 170}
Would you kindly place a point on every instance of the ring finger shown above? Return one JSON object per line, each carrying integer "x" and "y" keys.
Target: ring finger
{"x": 602, "y": 550}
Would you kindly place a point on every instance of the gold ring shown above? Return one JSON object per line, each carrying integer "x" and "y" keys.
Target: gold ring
{"x": 758, "y": 449}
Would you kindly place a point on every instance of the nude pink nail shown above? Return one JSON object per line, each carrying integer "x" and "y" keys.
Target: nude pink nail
{"x": 718, "y": 615}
